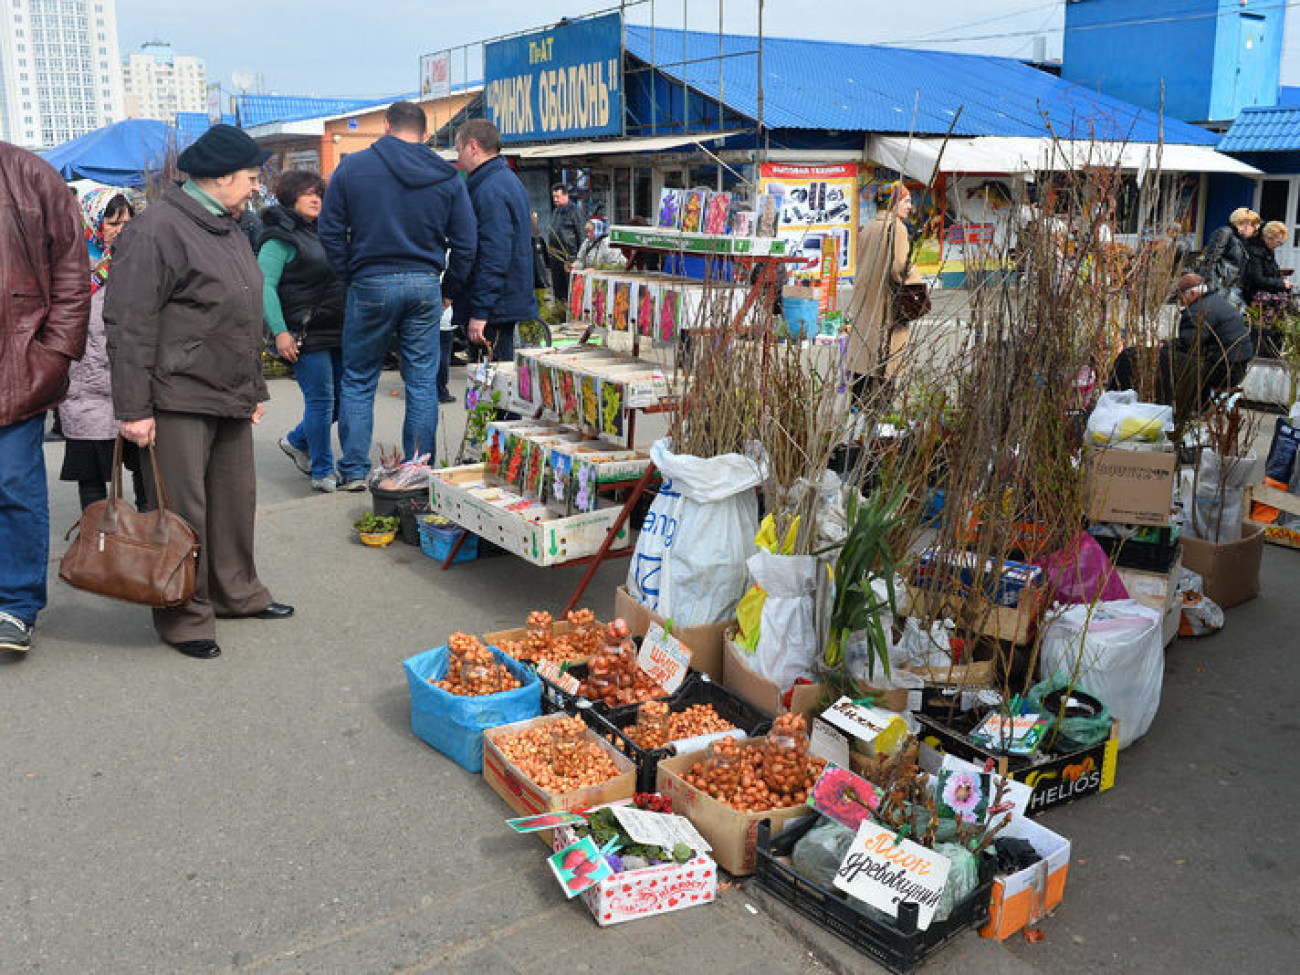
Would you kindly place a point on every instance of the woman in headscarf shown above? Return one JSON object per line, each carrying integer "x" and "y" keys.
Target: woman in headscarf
{"x": 596, "y": 251}
{"x": 89, "y": 426}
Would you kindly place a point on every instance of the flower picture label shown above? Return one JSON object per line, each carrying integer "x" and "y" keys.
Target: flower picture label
{"x": 844, "y": 797}
{"x": 664, "y": 658}
{"x": 885, "y": 872}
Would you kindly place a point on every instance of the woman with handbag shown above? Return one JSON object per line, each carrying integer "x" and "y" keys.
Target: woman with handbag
{"x": 879, "y": 324}
{"x": 89, "y": 426}
{"x": 303, "y": 303}
{"x": 184, "y": 319}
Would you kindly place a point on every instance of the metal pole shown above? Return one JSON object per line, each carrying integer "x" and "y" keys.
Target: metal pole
{"x": 654, "y": 94}
{"x": 721, "y": 61}
{"x": 686, "y": 91}
{"x": 762, "y": 133}
{"x": 622, "y": 76}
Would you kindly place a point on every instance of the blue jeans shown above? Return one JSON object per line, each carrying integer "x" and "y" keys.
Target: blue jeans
{"x": 379, "y": 306}
{"x": 444, "y": 362}
{"x": 24, "y": 519}
{"x": 319, "y": 375}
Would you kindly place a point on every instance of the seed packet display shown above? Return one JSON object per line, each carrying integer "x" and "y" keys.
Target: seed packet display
{"x": 742, "y": 223}
{"x": 589, "y": 402}
{"x": 559, "y": 481}
{"x": 670, "y": 209}
{"x": 584, "y": 486}
{"x": 670, "y": 307}
{"x": 693, "y": 205}
{"x": 524, "y": 385}
{"x": 646, "y": 301}
{"x": 715, "y": 213}
{"x": 599, "y": 288}
{"x": 579, "y": 307}
{"x": 621, "y": 307}
{"x": 566, "y": 401}
{"x": 611, "y": 409}
{"x": 769, "y": 214}
{"x": 534, "y": 469}
{"x": 497, "y": 448}
{"x": 513, "y": 467}
{"x": 546, "y": 387}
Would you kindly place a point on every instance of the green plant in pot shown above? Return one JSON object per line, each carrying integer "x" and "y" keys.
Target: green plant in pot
{"x": 377, "y": 530}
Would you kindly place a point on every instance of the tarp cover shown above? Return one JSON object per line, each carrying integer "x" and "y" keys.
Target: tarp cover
{"x": 122, "y": 154}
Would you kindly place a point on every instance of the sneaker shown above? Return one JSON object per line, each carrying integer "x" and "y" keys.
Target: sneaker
{"x": 15, "y": 635}
{"x": 325, "y": 485}
{"x": 354, "y": 485}
{"x": 300, "y": 458}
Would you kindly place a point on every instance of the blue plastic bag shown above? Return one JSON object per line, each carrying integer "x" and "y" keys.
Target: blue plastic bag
{"x": 453, "y": 724}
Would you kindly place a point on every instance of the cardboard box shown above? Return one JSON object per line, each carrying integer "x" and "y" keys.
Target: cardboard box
{"x": 527, "y": 799}
{"x": 635, "y": 894}
{"x": 1013, "y": 624}
{"x": 1022, "y": 899}
{"x": 1134, "y": 487}
{"x": 1055, "y": 781}
{"x": 759, "y": 692}
{"x": 705, "y": 641}
{"x": 732, "y": 834}
{"x": 1230, "y": 569}
{"x": 1157, "y": 590}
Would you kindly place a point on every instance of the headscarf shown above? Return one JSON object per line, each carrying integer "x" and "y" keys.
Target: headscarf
{"x": 94, "y": 203}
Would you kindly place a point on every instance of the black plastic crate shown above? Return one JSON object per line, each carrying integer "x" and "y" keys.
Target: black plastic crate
{"x": 555, "y": 698}
{"x": 696, "y": 689}
{"x": 1147, "y": 556}
{"x": 898, "y": 946}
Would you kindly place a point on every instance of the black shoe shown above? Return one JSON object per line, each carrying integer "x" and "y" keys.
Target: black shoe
{"x": 276, "y": 611}
{"x": 198, "y": 649}
{"x": 446, "y": 398}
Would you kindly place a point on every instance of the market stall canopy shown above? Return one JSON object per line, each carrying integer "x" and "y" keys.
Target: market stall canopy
{"x": 122, "y": 154}
{"x": 921, "y": 158}
{"x": 611, "y": 147}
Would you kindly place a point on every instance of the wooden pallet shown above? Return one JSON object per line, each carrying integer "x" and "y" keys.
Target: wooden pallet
{"x": 1286, "y": 503}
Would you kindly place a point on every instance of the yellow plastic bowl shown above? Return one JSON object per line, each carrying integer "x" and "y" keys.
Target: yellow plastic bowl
{"x": 377, "y": 539}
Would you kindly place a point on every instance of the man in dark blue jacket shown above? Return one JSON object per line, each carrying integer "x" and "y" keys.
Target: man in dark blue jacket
{"x": 499, "y": 290}
{"x": 396, "y": 216}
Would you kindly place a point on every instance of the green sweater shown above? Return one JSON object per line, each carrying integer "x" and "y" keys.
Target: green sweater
{"x": 272, "y": 258}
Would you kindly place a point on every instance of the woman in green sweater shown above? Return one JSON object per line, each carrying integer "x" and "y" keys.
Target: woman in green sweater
{"x": 303, "y": 305}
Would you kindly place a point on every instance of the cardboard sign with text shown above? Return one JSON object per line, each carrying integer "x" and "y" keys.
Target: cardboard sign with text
{"x": 551, "y": 671}
{"x": 663, "y": 658}
{"x": 659, "y": 829}
{"x": 1134, "y": 487}
{"x": 884, "y": 873}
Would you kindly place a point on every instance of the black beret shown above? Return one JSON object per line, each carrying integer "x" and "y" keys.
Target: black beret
{"x": 222, "y": 150}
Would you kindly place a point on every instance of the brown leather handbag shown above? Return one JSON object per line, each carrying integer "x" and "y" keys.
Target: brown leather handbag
{"x": 149, "y": 559}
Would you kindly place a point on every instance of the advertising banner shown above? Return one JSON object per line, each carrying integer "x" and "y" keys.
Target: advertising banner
{"x": 816, "y": 202}
{"x": 561, "y": 83}
{"x": 435, "y": 75}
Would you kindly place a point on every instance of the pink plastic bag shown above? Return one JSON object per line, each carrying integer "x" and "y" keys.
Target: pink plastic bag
{"x": 1081, "y": 573}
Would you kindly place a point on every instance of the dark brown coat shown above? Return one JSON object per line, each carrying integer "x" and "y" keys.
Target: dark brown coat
{"x": 184, "y": 314}
{"x": 44, "y": 285}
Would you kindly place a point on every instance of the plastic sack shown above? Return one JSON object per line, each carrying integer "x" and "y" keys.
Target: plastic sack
{"x": 1119, "y": 417}
{"x": 1072, "y": 732}
{"x": 922, "y": 648}
{"x": 819, "y": 852}
{"x": 787, "y": 636}
{"x": 963, "y": 878}
{"x": 1117, "y": 651}
{"x": 1214, "y": 499}
{"x": 689, "y": 563}
{"x": 453, "y": 724}
{"x": 1081, "y": 572}
{"x": 749, "y": 611}
{"x": 1201, "y": 615}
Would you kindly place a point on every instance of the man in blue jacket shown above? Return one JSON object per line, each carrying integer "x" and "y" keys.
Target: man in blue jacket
{"x": 499, "y": 291}
{"x": 395, "y": 217}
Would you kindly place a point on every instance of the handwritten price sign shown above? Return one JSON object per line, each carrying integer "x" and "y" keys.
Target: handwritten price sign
{"x": 663, "y": 658}
{"x": 885, "y": 874}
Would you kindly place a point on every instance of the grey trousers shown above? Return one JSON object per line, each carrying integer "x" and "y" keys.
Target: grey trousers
{"x": 207, "y": 466}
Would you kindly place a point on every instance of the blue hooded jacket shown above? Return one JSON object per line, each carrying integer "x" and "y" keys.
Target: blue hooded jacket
{"x": 397, "y": 207}
{"x": 500, "y": 284}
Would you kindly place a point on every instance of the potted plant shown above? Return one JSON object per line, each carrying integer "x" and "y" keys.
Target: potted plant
{"x": 377, "y": 530}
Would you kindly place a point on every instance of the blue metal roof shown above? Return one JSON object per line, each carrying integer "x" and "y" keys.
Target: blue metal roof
{"x": 191, "y": 125}
{"x": 1288, "y": 95}
{"x": 868, "y": 88}
{"x": 1274, "y": 129}
{"x": 261, "y": 109}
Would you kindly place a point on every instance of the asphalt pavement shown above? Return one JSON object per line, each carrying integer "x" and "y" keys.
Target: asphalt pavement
{"x": 271, "y": 812}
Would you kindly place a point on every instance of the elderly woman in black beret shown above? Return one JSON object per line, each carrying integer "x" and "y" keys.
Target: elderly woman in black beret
{"x": 184, "y": 322}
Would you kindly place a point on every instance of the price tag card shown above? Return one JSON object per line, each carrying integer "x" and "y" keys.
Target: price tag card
{"x": 844, "y": 797}
{"x": 664, "y": 658}
{"x": 659, "y": 829}
{"x": 531, "y": 824}
{"x": 551, "y": 671}
{"x": 579, "y": 866}
{"x": 885, "y": 873}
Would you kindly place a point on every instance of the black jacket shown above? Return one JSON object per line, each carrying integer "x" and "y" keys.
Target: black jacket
{"x": 1211, "y": 326}
{"x": 567, "y": 230}
{"x": 1261, "y": 272}
{"x": 500, "y": 284}
{"x": 1223, "y": 260}
{"x": 312, "y": 298}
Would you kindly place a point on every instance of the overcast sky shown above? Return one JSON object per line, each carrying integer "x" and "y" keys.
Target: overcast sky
{"x": 344, "y": 48}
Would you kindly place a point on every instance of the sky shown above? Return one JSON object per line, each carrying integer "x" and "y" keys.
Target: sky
{"x": 341, "y": 48}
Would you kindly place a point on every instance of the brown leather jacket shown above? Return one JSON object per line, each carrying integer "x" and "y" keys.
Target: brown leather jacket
{"x": 44, "y": 285}
{"x": 184, "y": 314}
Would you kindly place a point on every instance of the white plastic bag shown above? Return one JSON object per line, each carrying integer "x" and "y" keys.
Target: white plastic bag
{"x": 1119, "y": 417}
{"x": 689, "y": 563}
{"x": 1214, "y": 500}
{"x": 787, "y": 636}
{"x": 1119, "y": 655}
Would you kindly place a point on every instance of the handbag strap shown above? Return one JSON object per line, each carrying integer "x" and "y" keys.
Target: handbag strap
{"x": 161, "y": 498}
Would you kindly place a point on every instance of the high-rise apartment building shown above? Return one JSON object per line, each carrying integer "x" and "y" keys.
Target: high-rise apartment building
{"x": 157, "y": 83}
{"x": 60, "y": 75}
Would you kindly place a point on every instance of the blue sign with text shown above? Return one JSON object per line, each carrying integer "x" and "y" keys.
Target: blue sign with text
{"x": 557, "y": 83}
